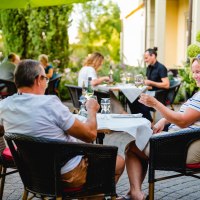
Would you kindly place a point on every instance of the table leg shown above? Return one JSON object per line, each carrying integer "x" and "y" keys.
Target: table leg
{"x": 100, "y": 137}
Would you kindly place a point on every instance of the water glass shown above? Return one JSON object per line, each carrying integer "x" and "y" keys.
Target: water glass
{"x": 105, "y": 107}
{"x": 82, "y": 110}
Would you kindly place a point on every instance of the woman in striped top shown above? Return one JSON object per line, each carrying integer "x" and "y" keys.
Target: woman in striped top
{"x": 187, "y": 118}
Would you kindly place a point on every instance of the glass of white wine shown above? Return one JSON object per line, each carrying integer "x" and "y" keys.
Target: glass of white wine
{"x": 128, "y": 78}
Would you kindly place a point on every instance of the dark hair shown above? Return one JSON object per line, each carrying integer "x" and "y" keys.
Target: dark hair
{"x": 152, "y": 51}
{"x": 26, "y": 72}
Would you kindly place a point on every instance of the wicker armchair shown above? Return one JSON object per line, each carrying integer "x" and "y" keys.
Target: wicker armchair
{"x": 167, "y": 96}
{"x": 76, "y": 91}
{"x": 168, "y": 153}
{"x": 53, "y": 85}
{"x": 39, "y": 161}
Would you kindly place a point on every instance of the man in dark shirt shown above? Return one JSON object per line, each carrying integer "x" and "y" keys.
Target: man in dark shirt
{"x": 156, "y": 79}
{"x": 156, "y": 72}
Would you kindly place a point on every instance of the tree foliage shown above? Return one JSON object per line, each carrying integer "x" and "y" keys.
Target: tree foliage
{"x": 99, "y": 30}
{"x": 30, "y": 32}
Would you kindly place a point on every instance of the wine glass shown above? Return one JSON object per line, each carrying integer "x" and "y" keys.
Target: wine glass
{"x": 139, "y": 80}
{"x": 105, "y": 107}
{"x": 123, "y": 78}
{"x": 128, "y": 77}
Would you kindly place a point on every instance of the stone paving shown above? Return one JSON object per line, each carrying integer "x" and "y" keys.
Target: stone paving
{"x": 184, "y": 188}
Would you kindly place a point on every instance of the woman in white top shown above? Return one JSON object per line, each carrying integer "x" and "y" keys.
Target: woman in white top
{"x": 90, "y": 67}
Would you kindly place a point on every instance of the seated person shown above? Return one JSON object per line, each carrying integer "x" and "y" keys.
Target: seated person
{"x": 90, "y": 67}
{"x": 187, "y": 118}
{"x": 7, "y": 68}
{"x": 51, "y": 119}
{"x": 47, "y": 67}
{"x": 156, "y": 79}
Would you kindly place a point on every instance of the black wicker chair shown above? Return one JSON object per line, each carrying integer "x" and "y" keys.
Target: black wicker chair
{"x": 172, "y": 92}
{"x": 6, "y": 161}
{"x": 168, "y": 153}
{"x": 53, "y": 85}
{"x": 9, "y": 86}
{"x": 167, "y": 96}
{"x": 39, "y": 161}
{"x": 76, "y": 91}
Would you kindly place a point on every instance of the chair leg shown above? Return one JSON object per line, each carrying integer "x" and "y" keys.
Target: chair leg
{"x": 151, "y": 191}
{"x": 3, "y": 171}
{"x": 25, "y": 195}
{"x": 154, "y": 117}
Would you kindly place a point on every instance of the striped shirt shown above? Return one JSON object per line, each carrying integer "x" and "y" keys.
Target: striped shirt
{"x": 193, "y": 103}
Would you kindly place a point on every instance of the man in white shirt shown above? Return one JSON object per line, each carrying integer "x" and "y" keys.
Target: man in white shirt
{"x": 30, "y": 112}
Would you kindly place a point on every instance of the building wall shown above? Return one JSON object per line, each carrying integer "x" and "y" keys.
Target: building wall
{"x": 171, "y": 33}
{"x": 150, "y": 23}
{"x": 182, "y": 31}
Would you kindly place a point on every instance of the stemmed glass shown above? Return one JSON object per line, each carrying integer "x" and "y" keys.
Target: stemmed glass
{"x": 105, "y": 107}
{"x": 128, "y": 77}
{"x": 139, "y": 80}
{"x": 82, "y": 110}
{"x": 123, "y": 78}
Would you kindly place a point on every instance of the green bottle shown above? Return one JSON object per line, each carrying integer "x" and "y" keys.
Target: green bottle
{"x": 90, "y": 90}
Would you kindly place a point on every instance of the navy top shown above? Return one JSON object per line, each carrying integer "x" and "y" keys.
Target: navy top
{"x": 47, "y": 71}
{"x": 156, "y": 72}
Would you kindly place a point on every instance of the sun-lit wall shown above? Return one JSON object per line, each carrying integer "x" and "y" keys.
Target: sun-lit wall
{"x": 171, "y": 33}
{"x": 182, "y": 32}
{"x": 133, "y": 33}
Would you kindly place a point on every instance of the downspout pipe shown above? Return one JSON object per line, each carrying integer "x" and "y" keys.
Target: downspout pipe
{"x": 190, "y": 23}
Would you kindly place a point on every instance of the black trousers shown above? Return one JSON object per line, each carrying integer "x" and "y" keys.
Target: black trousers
{"x": 137, "y": 107}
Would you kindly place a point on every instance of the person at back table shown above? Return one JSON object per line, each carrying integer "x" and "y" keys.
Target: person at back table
{"x": 7, "y": 68}
{"x": 44, "y": 60}
{"x": 157, "y": 78}
{"x": 91, "y": 65}
{"x": 45, "y": 116}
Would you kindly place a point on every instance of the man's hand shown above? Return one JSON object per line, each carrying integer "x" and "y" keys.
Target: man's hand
{"x": 92, "y": 105}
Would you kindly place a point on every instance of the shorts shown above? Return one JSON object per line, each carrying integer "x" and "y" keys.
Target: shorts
{"x": 77, "y": 176}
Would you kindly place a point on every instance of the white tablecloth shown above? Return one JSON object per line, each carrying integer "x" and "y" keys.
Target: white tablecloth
{"x": 139, "y": 128}
{"x": 130, "y": 91}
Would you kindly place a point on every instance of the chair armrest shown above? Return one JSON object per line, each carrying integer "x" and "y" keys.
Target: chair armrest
{"x": 101, "y": 159}
{"x": 169, "y": 151}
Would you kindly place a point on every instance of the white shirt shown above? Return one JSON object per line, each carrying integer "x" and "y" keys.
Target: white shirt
{"x": 41, "y": 115}
{"x": 84, "y": 73}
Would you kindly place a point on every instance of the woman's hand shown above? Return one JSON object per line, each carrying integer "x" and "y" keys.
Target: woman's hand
{"x": 159, "y": 126}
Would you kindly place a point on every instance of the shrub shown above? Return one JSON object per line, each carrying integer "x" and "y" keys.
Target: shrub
{"x": 193, "y": 50}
